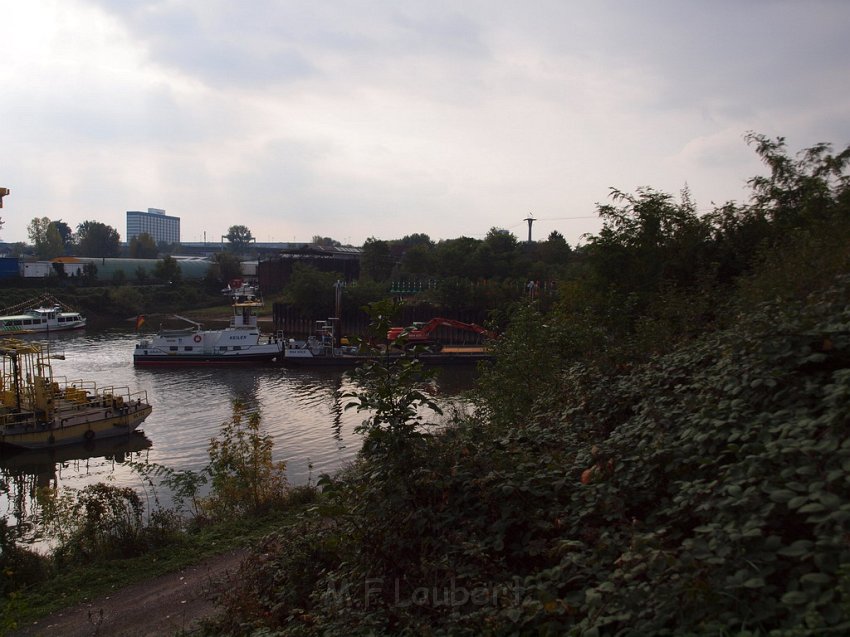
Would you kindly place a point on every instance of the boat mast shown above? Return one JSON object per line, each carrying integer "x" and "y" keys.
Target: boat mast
{"x": 12, "y": 354}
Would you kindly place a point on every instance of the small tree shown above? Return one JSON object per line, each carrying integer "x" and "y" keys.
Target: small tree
{"x": 143, "y": 247}
{"x": 390, "y": 389}
{"x": 239, "y": 237}
{"x": 243, "y": 475}
{"x": 168, "y": 270}
{"x": 67, "y": 235}
{"x": 45, "y": 238}
{"x": 325, "y": 241}
{"x": 225, "y": 267}
{"x": 311, "y": 291}
{"x": 376, "y": 262}
{"x": 90, "y": 272}
{"x": 97, "y": 239}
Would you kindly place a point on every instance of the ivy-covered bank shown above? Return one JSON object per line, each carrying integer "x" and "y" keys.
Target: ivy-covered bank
{"x": 706, "y": 491}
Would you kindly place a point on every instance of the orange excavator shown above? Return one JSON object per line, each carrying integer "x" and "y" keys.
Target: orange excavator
{"x": 423, "y": 333}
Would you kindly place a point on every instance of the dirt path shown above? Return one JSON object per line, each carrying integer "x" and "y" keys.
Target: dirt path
{"x": 167, "y": 605}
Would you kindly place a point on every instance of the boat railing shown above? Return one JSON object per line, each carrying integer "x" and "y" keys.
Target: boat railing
{"x": 110, "y": 397}
{"x": 86, "y": 385}
{"x": 15, "y": 418}
{"x": 138, "y": 397}
{"x": 179, "y": 331}
{"x": 122, "y": 392}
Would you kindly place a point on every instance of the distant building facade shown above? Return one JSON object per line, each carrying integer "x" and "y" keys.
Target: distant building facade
{"x": 160, "y": 226}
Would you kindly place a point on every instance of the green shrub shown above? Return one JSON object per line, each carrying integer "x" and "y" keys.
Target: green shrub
{"x": 126, "y": 300}
{"x": 95, "y": 522}
{"x": 243, "y": 476}
{"x": 19, "y": 566}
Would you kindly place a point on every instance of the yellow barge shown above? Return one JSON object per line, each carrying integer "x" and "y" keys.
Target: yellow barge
{"x": 39, "y": 411}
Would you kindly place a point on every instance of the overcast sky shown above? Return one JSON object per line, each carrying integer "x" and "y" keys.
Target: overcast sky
{"x": 356, "y": 119}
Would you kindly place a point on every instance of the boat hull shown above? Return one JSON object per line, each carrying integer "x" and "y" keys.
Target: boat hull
{"x": 324, "y": 360}
{"x": 44, "y": 436}
{"x": 18, "y": 331}
{"x": 303, "y": 358}
{"x": 163, "y": 359}
{"x": 41, "y": 320}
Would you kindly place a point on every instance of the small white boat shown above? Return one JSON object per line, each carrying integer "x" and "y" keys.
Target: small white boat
{"x": 321, "y": 349}
{"x": 53, "y": 318}
{"x": 39, "y": 411}
{"x": 240, "y": 342}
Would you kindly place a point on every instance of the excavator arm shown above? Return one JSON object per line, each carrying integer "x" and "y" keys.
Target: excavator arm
{"x": 421, "y": 333}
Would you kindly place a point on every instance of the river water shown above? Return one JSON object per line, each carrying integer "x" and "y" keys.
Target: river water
{"x": 301, "y": 409}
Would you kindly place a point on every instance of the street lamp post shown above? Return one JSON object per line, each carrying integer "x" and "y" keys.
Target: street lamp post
{"x": 530, "y": 220}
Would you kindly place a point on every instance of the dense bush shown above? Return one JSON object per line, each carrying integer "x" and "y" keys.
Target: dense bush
{"x": 703, "y": 492}
{"x": 19, "y": 566}
{"x": 95, "y": 522}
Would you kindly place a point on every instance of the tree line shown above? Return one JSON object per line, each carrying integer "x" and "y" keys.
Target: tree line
{"x": 656, "y": 256}
{"x": 50, "y": 239}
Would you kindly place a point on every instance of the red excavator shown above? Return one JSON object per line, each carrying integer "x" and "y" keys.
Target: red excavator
{"x": 423, "y": 333}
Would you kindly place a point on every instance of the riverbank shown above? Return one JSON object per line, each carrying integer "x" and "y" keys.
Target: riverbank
{"x": 107, "y": 305}
{"x": 146, "y": 594}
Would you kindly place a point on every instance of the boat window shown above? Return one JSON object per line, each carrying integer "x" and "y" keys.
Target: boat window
{"x": 237, "y": 347}
{"x": 188, "y": 348}
{"x": 27, "y": 322}
{"x": 173, "y": 348}
{"x": 223, "y": 348}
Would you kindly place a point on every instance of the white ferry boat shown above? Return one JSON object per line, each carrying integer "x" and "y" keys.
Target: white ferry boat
{"x": 240, "y": 342}
{"x": 41, "y": 319}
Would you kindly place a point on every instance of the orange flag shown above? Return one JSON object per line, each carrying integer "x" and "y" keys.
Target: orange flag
{"x": 140, "y": 320}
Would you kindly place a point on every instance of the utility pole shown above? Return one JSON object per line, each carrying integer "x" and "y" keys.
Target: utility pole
{"x": 3, "y": 193}
{"x": 530, "y": 220}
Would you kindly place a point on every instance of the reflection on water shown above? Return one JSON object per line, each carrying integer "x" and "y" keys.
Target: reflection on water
{"x": 24, "y": 472}
{"x": 301, "y": 409}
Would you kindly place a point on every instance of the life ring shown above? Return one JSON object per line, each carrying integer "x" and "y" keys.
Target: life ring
{"x": 197, "y": 338}
{"x": 89, "y": 435}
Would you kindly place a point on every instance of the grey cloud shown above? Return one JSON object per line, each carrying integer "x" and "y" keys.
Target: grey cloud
{"x": 262, "y": 44}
